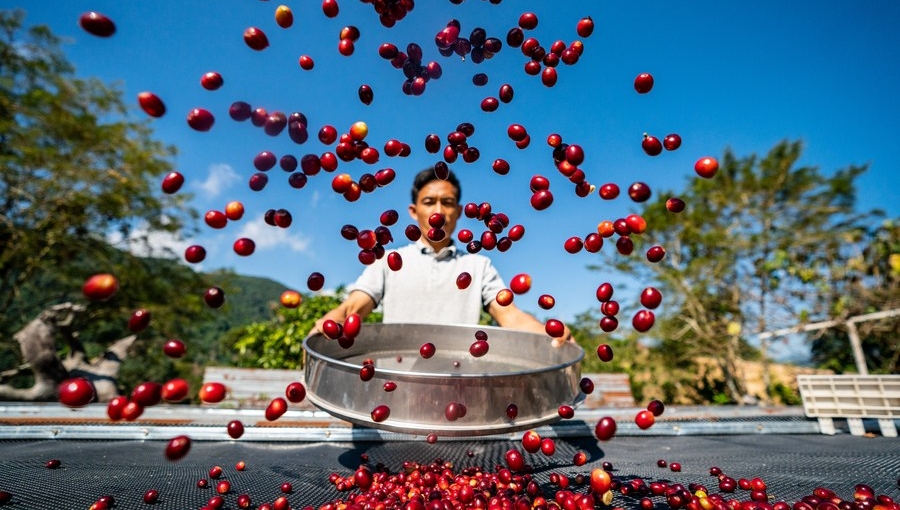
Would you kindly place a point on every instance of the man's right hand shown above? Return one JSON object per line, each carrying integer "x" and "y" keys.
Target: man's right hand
{"x": 357, "y": 302}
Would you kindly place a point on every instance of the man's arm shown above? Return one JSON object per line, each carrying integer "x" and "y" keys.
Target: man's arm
{"x": 512, "y": 317}
{"x": 357, "y": 302}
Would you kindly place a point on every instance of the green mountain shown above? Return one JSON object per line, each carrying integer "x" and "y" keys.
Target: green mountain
{"x": 173, "y": 292}
{"x": 248, "y": 299}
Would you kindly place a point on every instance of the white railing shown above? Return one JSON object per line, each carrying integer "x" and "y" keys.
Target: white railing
{"x": 852, "y": 397}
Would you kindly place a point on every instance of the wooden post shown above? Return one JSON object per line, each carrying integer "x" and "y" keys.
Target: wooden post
{"x": 856, "y": 345}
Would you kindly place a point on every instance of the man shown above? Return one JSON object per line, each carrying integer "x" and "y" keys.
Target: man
{"x": 424, "y": 290}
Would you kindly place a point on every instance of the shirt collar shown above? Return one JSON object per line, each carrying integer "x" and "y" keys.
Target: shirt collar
{"x": 446, "y": 253}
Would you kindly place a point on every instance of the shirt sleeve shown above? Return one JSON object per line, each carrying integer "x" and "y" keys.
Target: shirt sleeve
{"x": 491, "y": 284}
{"x": 371, "y": 281}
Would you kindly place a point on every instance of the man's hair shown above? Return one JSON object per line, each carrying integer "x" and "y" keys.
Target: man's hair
{"x": 426, "y": 176}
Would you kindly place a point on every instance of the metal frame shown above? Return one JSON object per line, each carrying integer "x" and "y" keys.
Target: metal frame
{"x": 855, "y": 342}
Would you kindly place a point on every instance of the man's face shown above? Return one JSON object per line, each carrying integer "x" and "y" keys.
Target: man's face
{"x": 436, "y": 197}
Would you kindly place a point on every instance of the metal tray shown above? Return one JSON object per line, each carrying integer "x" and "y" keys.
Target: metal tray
{"x": 520, "y": 368}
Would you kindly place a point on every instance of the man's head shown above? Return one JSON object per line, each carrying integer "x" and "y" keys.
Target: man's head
{"x": 426, "y": 176}
{"x": 432, "y": 195}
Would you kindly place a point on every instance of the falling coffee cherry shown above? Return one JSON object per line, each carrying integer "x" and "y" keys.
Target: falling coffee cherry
{"x": 315, "y": 282}
{"x": 213, "y": 392}
{"x": 76, "y": 392}
{"x": 528, "y": 21}
{"x": 531, "y": 441}
{"x": 427, "y": 350}
{"x": 453, "y": 411}
{"x": 605, "y": 428}
{"x": 172, "y": 182}
{"x": 194, "y": 254}
{"x": 585, "y": 27}
{"x": 346, "y": 47}
{"x": 100, "y": 287}
{"x": 395, "y": 261}
{"x": 605, "y": 353}
{"x": 151, "y": 496}
{"x": 306, "y": 62}
{"x": 706, "y": 167}
{"x": 381, "y": 413}
{"x": 174, "y": 390}
{"x": 651, "y": 297}
{"x": 97, "y": 24}
{"x": 643, "y": 320}
{"x": 235, "y": 429}
{"x": 546, "y": 301}
{"x": 291, "y": 299}
{"x": 504, "y": 297}
{"x": 675, "y": 205}
{"x": 256, "y": 39}
{"x": 644, "y": 419}
{"x": 200, "y": 119}
{"x": 211, "y": 81}
{"x": 549, "y": 76}
{"x": 643, "y": 83}
{"x": 639, "y": 192}
{"x": 609, "y": 191}
{"x": 139, "y": 320}
{"x": 656, "y": 253}
{"x": 651, "y": 145}
{"x": 586, "y": 385}
{"x": 174, "y": 348}
{"x": 479, "y": 348}
{"x": 520, "y": 283}
{"x": 214, "y": 297}
{"x": 151, "y": 104}
{"x": 276, "y": 408}
{"x": 240, "y": 111}
{"x": 178, "y": 447}
{"x": 366, "y": 95}
{"x": 554, "y": 328}
{"x": 284, "y": 17}
{"x": 672, "y": 142}
{"x": 515, "y": 460}
{"x": 330, "y": 8}
{"x": 244, "y": 247}
{"x": 541, "y": 199}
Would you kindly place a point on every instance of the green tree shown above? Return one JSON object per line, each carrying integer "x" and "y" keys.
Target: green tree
{"x": 73, "y": 167}
{"x": 868, "y": 283}
{"x": 749, "y": 254}
{"x": 278, "y": 343}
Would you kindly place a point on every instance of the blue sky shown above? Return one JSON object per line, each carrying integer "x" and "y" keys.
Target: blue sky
{"x": 740, "y": 75}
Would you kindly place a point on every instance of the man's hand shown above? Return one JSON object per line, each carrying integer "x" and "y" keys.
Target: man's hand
{"x": 357, "y": 302}
{"x": 317, "y": 327}
{"x": 510, "y": 316}
{"x": 566, "y": 337}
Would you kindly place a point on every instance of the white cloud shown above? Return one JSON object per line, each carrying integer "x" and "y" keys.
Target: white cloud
{"x": 143, "y": 243}
{"x": 221, "y": 177}
{"x": 266, "y": 236}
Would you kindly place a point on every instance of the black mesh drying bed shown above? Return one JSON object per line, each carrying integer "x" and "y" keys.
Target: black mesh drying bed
{"x": 792, "y": 466}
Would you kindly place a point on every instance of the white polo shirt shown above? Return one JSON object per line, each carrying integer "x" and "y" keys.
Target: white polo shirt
{"x": 424, "y": 290}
